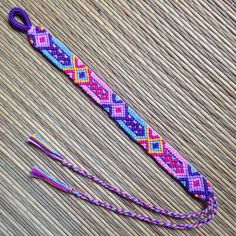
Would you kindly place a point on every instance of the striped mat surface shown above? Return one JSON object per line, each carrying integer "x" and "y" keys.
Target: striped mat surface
{"x": 174, "y": 62}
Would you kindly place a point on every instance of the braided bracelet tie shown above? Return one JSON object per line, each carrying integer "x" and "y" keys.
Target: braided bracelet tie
{"x": 129, "y": 121}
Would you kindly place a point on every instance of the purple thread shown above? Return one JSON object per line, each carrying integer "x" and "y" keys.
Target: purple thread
{"x": 16, "y": 11}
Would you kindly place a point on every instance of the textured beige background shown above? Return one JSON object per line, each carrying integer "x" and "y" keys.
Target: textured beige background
{"x": 172, "y": 61}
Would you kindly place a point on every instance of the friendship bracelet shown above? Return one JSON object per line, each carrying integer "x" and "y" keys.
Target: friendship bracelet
{"x": 129, "y": 121}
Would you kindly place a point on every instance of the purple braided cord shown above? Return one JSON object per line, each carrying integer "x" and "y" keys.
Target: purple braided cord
{"x": 204, "y": 216}
{"x": 134, "y": 199}
{"x": 144, "y": 217}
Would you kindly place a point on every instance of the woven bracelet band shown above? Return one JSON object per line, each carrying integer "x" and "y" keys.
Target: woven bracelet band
{"x": 129, "y": 121}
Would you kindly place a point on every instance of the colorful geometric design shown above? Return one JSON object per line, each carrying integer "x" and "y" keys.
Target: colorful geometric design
{"x": 119, "y": 110}
{"x": 152, "y": 143}
{"x": 126, "y": 118}
{"x": 137, "y": 126}
{"x": 192, "y": 171}
{"x": 78, "y": 72}
{"x": 116, "y": 108}
{"x": 51, "y": 48}
{"x": 131, "y": 126}
{"x": 60, "y": 52}
{"x": 176, "y": 165}
{"x": 196, "y": 184}
{"x": 42, "y": 40}
{"x": 97, "y": 91}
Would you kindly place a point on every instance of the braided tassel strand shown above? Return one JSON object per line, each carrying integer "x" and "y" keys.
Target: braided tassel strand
{"x": 204, "y": 216}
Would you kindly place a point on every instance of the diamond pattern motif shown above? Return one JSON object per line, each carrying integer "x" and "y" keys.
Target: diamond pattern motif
{"x": 42, "y": 40}
{"x": 196, "y": 184}
{"x": 79, "y": 73}
{"x": 152, "y": 143}
{"x": 116, "y": 108}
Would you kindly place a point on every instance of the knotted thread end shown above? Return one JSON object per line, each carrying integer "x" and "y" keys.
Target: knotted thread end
{"x": 36, "y": 172}
{"x": 43, "y": 145}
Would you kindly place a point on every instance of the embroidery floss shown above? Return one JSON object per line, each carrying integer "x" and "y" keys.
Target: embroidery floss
{"x": 129, "y": 121}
